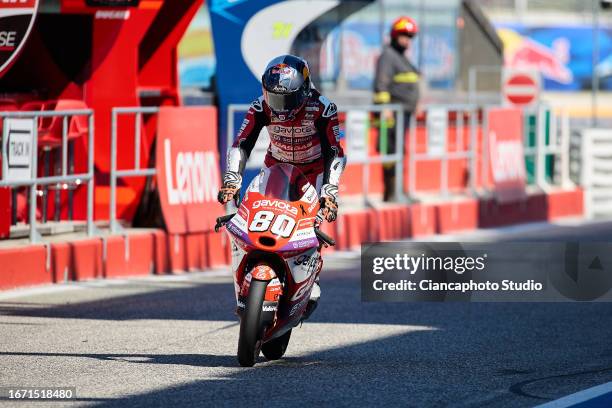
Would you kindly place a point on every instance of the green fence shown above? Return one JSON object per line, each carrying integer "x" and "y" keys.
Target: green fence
{"x": 530, "y": 140}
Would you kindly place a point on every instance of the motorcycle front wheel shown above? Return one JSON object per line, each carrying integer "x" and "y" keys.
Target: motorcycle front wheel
{"x": 251, "y": 330}
{"x": 275, "y": 349}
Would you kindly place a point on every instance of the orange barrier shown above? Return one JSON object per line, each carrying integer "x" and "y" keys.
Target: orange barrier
{"x": 177, "y": 253}
{"x": 195, "y": 252}
{"x": 564, "y": 204}
{"x": 86, "y": 258}
{"x": 457, "y": 216}
{"x": 356, "y": 229}
{"x": 24, "y": 266}
{"x": 161, "y": 258}
{"x": 141, "y": 254}
{"x": 217, "y": 246}
{"x": 422, "y": 220}
{"x": 115, "y": 263}
{"x": 154, "y": 251}
{"x": 131, "y": 255}
{"x": 61, "y": 262}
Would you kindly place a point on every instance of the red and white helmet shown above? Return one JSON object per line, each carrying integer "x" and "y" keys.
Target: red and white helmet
{"x": 404, "y": 26}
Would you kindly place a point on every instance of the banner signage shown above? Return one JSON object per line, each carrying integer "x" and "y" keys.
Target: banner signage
{"x": 506, "y": 154}
{"x": 16, "y": 21}
{"x": 437, "y": 129}
{"x": 188, "y": 168}
{"x": 18, "y": 149}
{"x": 357, "y": 126}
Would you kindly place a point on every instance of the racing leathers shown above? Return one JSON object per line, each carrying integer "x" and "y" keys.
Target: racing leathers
{"x": 307, "y": 139}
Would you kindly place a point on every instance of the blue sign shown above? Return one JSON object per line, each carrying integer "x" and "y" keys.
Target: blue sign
{"x": 563, "y": 54}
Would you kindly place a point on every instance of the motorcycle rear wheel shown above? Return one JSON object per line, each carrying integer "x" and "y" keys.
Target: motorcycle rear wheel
{"x": 275, "y": 349}
{"x": 251, "y": 328}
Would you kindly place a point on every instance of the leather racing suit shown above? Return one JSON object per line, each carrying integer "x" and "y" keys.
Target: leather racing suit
{"x": 307, "y": 139}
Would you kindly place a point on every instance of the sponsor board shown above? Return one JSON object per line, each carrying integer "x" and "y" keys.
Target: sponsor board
{"x": 18, "y": 149}
{"x": 506, "y": 156}
{"x": 188, "y": 168}
{"x": 16, "y": 21}
{"x": 437, "y": 129}
{"x": 357, "y": 127}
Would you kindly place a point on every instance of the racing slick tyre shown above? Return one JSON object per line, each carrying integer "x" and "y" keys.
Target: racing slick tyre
{"x": 275, "y": 348}
{"x": 249, "y": 342}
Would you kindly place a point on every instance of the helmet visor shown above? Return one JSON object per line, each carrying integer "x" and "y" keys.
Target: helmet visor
{"x": 284, "y": 102}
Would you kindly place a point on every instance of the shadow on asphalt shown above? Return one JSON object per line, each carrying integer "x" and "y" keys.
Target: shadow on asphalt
{"x": 422, "y": 368}
{"x": 196, "y": 360}
{"x": 208, "y": 301}
{"x": 502, "y": 354}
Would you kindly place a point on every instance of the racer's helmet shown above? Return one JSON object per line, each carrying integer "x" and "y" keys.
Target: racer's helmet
{"x": 286, "y": 84}
{"x": 404, "y": 26}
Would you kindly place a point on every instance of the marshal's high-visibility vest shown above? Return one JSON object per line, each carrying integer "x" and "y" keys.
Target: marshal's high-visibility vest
{"x": 396, "y": 80}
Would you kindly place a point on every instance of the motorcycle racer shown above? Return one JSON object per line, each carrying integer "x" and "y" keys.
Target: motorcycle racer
{"x": 304, "y": 131}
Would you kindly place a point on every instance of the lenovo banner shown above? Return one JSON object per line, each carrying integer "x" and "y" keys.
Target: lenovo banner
{"x": 188, "y": 168}
{"x": 506, "y": 155}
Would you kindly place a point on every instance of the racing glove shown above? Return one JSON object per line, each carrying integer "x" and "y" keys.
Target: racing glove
{"x": 328, "y": 204}
{"x": 230, "y": 190}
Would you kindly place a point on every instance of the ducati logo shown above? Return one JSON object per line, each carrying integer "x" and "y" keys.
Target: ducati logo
{"x": 16, "y": 21}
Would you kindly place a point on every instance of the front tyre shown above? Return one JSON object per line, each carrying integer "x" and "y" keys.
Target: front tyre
{"x": 275, "y": 348}
{"x": 250, "y": 324}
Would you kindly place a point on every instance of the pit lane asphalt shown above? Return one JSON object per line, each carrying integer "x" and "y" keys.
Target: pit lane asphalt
{"x": 171, "y": 341}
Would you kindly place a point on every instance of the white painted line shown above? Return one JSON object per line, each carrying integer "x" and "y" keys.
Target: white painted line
{"x": 580, "y": 396}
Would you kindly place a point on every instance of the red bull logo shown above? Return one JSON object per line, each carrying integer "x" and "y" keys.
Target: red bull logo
{"x": 524, "y": 53}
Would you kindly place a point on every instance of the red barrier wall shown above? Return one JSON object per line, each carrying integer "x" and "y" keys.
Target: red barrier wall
{"x": 154, "y": 251}
{"x": 427, "y": 172}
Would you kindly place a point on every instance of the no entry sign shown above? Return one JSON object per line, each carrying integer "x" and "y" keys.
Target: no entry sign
{"x": 520, "y": 87}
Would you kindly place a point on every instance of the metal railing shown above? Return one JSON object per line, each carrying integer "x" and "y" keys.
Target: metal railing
{"x": 557, "y": 146}
{"x": 64, "y": 178}
{"x": 397, "y": 158}
{"x": 470, "y": 154}
{"x": 136, "y": 171}
{"x": 592, "y": 168}
{"x": 471, "y": 145}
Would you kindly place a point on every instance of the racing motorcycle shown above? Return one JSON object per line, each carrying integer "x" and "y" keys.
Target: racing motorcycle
{"x": 275, "y": 259}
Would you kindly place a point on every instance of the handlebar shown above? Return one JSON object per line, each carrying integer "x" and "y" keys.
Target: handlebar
{"x": 321, "y": 236}
{"x": 221, "y": 221}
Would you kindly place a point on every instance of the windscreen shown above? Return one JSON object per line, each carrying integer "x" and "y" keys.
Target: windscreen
{"x": 282, "y": 181}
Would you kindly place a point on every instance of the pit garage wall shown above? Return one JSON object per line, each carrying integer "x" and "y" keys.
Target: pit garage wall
{"x": 479, "y": 45}
{"x": 107, "y": 57}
